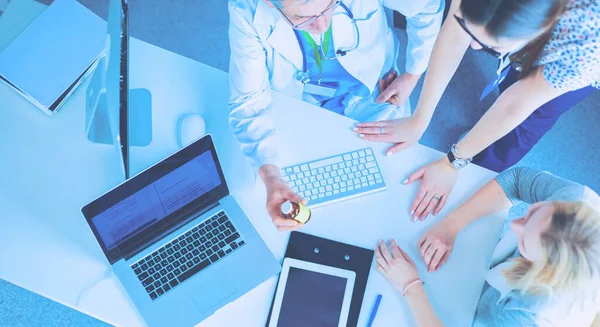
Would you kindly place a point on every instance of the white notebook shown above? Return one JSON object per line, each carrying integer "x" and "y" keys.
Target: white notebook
{"x": 49, "y": 59}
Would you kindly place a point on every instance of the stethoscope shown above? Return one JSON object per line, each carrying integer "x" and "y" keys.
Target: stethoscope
{"x": 303, "y": 75}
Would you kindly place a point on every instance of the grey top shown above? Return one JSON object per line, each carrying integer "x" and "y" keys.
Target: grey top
{"x": 500, "y": 305}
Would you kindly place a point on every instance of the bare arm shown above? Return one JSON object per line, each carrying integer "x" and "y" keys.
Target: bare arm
{"x": 450, "y": 47}
{"x": 421, "y": 308}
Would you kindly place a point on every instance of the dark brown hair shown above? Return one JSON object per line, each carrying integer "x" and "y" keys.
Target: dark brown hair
{"x": 514, "y": 19}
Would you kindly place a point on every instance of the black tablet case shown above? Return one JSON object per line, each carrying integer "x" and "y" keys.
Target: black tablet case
{"x": 302, "y": 246}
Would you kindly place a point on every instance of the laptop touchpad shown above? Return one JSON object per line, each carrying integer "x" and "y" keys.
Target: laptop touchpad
{"x": 211, "y": 290}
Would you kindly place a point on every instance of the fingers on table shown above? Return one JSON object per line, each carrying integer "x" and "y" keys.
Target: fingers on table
{"x": 377, "y": 124}
{"x": 397, "y": 148}
{"x": 441, "y": 204}
{"x": 371, "y": 130}
{"x": 436, "y": 261}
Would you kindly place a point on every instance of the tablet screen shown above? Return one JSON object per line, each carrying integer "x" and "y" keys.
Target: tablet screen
{"x": 312, "y": 299}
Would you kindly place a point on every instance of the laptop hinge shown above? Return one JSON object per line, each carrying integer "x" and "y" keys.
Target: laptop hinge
{"x": 144, "y": 245}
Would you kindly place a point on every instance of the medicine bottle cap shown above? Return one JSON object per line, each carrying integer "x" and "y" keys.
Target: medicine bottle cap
{"x": 286, "y": 207}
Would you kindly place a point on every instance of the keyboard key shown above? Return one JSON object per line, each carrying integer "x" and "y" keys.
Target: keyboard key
{"x": 242, "y": 243}
{"x": 183, "y": 251}
{"x": 160, "y": 292}
{"x": 220, "y": 214}
{"x": 177, "y": 255}
{"x": 166, "y": 287}
{"x": 190, "y": 247}
{"x": 144, "y": 267}
{"x": 195, "y": 236}
{"x": 170, "y": 276}
{"x": 361, "y": 153}
{"x": 183, "y": 268}
{"x": 214, "y": 258}
{"x": 153, "y": 295}
{"x": 183, "y": 243}
{"x": 143, "y": 276}
{"x": 191, "y": 272}
{"x": 203, "y": 248}
{"x": 176, "y": 272}
{"x": 174, "y": 283}
{"x": 170, "y": 268}
{"x": 196, "y": 243}
{"x": 196, "y": 260}
{"x": 370, "y": 158}
{"x": 232, "y": 238}
{"x": 228, "y": 251}
{"x": 157, "y": 283}
{"x": 195, "y": 252}
{"x": 202, "y": 239}
{"x": 151, "y": 271}
{"x": 137, "y": 271}
{"x": 170, "y": 259}
{"x": 222, "y": 244}
{"x": 176, "y": 264}
{"x": 214, "y": 240}
{"x": 163, "y": 255}
{"x": 215, "y": 248}
{"x": 202, "y": 256}
{"x": 135, "y": 265}
{"x": 234, "y": 246}
{"x": 221, "y": 253}
{"x": 156, "y": 275}
{"x": 368, "y": 151}
{"x": 163, "y": 271}
{"x": 189, "y": 256}
{"x": 189, "y": 264}
{"x": 208, "y": 244}
{"x": 147, "y": 281}
{"x": 176, "y": 247}
{"x": 209, "y": 252}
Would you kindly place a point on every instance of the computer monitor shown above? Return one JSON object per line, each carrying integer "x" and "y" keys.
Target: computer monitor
{"x": 115, "y": 114}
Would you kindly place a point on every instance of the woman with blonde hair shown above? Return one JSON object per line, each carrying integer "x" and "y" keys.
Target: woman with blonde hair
{"x": 552, "y": 278}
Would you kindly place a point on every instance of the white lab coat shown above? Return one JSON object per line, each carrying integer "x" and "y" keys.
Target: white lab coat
{"x": 265, "y": 56}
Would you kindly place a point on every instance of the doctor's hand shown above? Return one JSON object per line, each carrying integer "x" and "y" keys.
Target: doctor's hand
{"x": 278, "y": 192}
{"x": 405, "y": 132}
{"x": 439, "y": 178}
{"x": 437, "y": 243}
{"x": 395, "y": 265}
{"x": 396, "y": 89}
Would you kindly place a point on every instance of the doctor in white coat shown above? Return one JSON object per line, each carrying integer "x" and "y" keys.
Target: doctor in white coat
{"x": 339, "y": 55}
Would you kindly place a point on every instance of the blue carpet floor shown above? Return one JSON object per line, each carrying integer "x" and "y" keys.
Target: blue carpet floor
{"x": 198, "y": 30}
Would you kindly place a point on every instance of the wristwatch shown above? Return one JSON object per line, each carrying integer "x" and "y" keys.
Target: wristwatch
{"x": 456, "y": 160}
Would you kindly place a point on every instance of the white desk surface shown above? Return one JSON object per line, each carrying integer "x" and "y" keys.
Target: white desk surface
{"x": 49, "y": 170}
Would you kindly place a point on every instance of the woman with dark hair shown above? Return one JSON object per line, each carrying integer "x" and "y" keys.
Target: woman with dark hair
{"x": 549, "y": 60}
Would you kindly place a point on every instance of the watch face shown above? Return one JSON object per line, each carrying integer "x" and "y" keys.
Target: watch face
{"x": 459, "y": 163}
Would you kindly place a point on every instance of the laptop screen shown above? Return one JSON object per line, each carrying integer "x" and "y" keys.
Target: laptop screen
{"x": 159, "y": 199}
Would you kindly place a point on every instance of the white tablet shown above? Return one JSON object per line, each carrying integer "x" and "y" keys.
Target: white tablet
{"x": 310, "y": 294}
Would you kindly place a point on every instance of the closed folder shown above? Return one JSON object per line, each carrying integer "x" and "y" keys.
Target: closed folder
{"x": 302, "y": 246}
{"x": 51, "y": 57}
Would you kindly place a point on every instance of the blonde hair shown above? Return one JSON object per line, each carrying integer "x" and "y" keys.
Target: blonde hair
{"x": 571, "y": 253}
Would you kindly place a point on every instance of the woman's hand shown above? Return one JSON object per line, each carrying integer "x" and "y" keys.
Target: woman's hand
{"x": 278, "y": 192}
{"x": 439, "y": 178}
{"x": 396, "y": 89}
{"x": 405, "y": 132}
{"x": 396, "y": 266}
{"x": 437, "y": 243}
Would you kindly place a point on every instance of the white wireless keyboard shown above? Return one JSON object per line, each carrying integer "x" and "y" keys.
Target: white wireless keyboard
{"x": 336, "y": 178}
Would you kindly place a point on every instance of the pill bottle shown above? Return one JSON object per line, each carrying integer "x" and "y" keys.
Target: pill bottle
{"x": 296, "y": 211}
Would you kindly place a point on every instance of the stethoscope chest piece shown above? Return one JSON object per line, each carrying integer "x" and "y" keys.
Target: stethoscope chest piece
{"x": 303, "y": 77}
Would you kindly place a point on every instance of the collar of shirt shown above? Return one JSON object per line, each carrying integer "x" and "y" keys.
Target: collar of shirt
{"x": 496, "y": 280}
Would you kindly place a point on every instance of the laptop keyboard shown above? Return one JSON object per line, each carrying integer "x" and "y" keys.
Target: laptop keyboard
{"x": 336, "y": 178}
{"x": 186, "y": 255}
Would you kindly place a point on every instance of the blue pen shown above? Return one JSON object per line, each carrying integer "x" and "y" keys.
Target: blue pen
{"x": 374, "y": 311}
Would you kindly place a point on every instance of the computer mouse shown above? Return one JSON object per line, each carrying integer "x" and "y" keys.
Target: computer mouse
{"x": 192, "y": 127}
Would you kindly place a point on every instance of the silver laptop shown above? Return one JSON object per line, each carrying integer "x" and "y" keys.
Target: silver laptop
{"x": 178, "y": 242}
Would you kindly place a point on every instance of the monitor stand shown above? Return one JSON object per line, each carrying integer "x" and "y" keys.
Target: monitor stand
{"x": 139, "y": 119}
